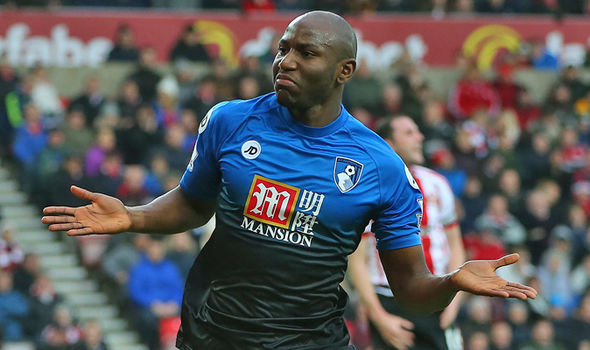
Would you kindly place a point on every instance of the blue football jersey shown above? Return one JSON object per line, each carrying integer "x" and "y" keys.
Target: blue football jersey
{"x": 292, "y": 203}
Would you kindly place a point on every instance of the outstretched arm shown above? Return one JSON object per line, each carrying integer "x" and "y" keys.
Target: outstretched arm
{"x": 170, "y": 213}
{"x": 417, "y": 289}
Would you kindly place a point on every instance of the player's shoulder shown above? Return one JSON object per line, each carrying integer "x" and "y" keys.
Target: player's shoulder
{"x": 231, "y": 114}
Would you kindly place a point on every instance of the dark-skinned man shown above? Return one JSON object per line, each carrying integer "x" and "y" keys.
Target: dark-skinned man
{"x": 293, "y": 180}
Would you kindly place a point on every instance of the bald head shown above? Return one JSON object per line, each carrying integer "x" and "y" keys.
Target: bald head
{"x": 334, "y": 31}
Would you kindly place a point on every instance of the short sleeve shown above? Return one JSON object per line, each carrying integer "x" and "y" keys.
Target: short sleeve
{"x": 447, "y": 198}
{"x": 202, "y": 177}
{"x": 396, "y": 224}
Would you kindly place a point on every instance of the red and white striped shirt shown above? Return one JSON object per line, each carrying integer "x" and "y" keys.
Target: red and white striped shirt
{"x": 439, "y": 213}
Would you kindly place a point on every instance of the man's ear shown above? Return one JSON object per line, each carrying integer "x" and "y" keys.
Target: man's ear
{"x": 347, "y": 70}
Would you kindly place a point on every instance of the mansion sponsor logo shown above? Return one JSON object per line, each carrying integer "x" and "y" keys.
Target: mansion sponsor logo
{"x": 281, "y": 211}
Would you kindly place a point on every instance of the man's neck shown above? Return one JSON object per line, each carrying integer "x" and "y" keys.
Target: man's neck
{"x": 318, "y": 115}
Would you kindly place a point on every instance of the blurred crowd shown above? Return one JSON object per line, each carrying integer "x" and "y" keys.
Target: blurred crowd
{"x": 436, "y": 7}
{"x": 520, "y": 170}
{"x": 31, "y": 309}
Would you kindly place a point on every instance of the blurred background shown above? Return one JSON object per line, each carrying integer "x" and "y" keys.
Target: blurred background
{"x": 108, "y": 95}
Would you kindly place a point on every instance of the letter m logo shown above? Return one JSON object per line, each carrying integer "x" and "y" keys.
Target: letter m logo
{"x": 271, "y": 202}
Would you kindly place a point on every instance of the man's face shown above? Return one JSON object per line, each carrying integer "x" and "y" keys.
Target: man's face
{"x": 305, "y": 67}
{"x": 407, "y": 140}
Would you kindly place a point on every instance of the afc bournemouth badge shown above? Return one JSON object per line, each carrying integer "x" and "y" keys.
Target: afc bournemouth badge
{"x": 347, "y": 173}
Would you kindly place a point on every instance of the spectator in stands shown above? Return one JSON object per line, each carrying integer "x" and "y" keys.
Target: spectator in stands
{"x": 62, "y": 333}
{"x": 575, "y": 331}
{"x": 190, "y": 124}
{"x": 11, "y": 253}
{"x": 443, "y": 161}
{"x": 182, "y": 251}
{"x": 45, "y": 97}
{"x": 501, "y": 336}
{"x": 26, "y": 273}
{"x": 571, "y": 154}
{"x": 145, "y": 76}
{"x": 471, "y": 94}
{"x": 132, "y": 190}
{"x": 50, "y": 161}
{"x": 105, "y": 143}
{"x": 502, "y": 223}
{"x": 365, "y": 90}
{"x": 224, "y": 84}
{"x": 78, "y": 136}
{"x": 540, "y": 58}
{"x": 519, "y": 320}
{"x": 166, "y": 107}
{"x": 465, "y": 152}
{"x": 526, "y": 110}
{"x": 189, "y": 46}
{"x": 250, "y": 67}
{"x": 479, "y": 313}
{"x": 93, "y": 339}
{"x": 155, "y": 287}
{"x": 124, "y": 49}
{"x": 570, "y": 77}
{"x": 156, "y": 175}
{"x": 204, "y": 98}
{"x": 538, "y": 220}
{"x": 91, "y": 101}
{"x": 435, "y": 127}
{"x": 9, "y": 120}
{"x": 108, "y": 117}
{"x": 577, "y": 221}
{"x": 478, "y": 341}
{"x": 30, "y": 140}
{"x": 72, "y": 172}
{"x": 247, "y": 88}
{"x": 542, "y": 337}
{"x": 535, "y": 160}
{"x": 122, "y": 256}
{"x": 13, "y": 309}
{"x": 474, "y": 202}
{"x": 505, "y": 85}
{"x": 186, "y": 80}
{"x": 43, "y": 301}
{"x": 554, "y": 271}
{"x": 128, "y": 102}
{"x": 173, "y": 148}
{"x": 137, "y": 142}
{"x": 389, "y": 102}
{"x": 483, "y": 244}
{"x": 509, "y": 184}
{"x": 110, "y": 174}
{"x": 523, "y": 269}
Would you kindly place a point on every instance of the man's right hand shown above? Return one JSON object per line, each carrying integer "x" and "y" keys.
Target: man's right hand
{"x": 105, "y": 215}
{"x": 395, "y": 330}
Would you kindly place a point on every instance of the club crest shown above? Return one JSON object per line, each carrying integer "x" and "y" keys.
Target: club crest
{"x": 347, "y": 173}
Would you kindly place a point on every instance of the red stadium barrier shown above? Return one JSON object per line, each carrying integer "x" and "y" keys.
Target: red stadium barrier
{"x": 74, "y": 38}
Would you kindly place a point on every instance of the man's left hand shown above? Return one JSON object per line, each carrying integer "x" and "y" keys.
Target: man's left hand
{"x": 479, "y": 277}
